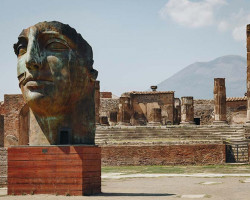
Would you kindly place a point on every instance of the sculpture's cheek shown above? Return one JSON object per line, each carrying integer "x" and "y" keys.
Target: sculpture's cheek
{"x": 21, "y": 65}
{"x": 58, "y": 67}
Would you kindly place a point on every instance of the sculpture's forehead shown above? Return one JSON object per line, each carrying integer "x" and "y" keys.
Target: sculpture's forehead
{"x": 44, "y": 32}
{"x": 37, "y": 30}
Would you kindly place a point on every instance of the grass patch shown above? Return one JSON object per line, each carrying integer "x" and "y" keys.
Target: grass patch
{"x": 143, "y": 169}
{"x": 190, "y": 169}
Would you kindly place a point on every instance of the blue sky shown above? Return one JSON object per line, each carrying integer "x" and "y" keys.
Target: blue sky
{"x": 136, "y": 43}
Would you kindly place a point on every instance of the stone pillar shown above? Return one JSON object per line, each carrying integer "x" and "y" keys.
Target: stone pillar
{"x": 220, "y": 110}
{"x": 124, "y": 113}
{"x": 187, "y": 110}
{"x": 155, "y": 117}
{"x": 97, "y": 102}
{"x": 248, "y": 75}
{"x": 177, "y": 111}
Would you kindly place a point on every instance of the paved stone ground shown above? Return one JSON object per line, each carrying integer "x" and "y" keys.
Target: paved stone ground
{"x": 161, "y": 187}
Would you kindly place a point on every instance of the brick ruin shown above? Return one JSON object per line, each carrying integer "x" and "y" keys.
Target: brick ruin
{"x": 151, "y": 113}
{"x": 153, "y": 108}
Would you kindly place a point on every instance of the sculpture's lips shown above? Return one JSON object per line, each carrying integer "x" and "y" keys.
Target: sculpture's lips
{"x": 34, "y": 84}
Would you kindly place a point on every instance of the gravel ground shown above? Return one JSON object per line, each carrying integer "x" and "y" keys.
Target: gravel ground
{"x": 169, "y": 188}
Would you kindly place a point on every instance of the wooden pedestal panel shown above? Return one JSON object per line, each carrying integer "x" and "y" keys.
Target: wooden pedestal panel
{"x": 62, "y": 170}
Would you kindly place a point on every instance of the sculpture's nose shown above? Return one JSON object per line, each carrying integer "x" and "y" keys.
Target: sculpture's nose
{"x": 33, "y": 58}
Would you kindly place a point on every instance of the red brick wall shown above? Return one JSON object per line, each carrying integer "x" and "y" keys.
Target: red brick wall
{"x": 106, "y": 94}
{"x": 235, "y": 105}
{"x": 163, "y": 155}
{"x": 62, "y": 170}
{"x": 12, "y": 106}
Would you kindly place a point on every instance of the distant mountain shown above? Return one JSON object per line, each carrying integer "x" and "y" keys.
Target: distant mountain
{"x": 197, "y": 79}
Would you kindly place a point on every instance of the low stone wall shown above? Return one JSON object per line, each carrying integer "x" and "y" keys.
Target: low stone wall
{"x": 3, "y": 167}
{"x": 164, "y": 155}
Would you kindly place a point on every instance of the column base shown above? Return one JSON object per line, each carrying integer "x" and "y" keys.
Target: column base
{"x": 59, "y": 170}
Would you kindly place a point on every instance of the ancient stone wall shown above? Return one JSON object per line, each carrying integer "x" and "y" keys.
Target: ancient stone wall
{"x": 204, "y": 109}
{"x": 164, "y": 155}
{"x": 3, "y": 167}
{"x": 107, "y": 106}
{"x": 143, "y": 104}
{"x": 237, "y": 110}
{"x": 1, "y": 130}
{"x": 106, "y": 94}
{"x": 248, "y": 73}
{"x": 12, "y": 106}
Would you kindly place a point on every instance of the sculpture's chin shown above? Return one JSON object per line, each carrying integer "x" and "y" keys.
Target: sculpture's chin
{"x": 45, "y": 105}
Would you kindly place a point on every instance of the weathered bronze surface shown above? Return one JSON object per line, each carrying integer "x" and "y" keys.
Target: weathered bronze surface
{"x": 54, "y": 68}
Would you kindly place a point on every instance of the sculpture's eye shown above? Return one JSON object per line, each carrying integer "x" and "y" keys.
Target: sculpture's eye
{"x": 57, "y": 46}
{"x": 21, "y": 49}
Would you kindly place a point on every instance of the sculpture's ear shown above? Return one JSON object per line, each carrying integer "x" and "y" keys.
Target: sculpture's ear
{"x": 93, "y": 74}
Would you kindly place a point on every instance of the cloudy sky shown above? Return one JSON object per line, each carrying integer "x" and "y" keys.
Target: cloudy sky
{"x": 136, "y": 43}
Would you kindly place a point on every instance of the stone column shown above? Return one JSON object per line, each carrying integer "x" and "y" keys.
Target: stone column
{"x": 155, "y": 117}
{"x": 124, "y": 113}
{"x": 187, "y": 110}
{"x": 220, "y": 110}
{"x": 248, "y": 75}
{"x": 177, "y": 111}
{"x": 97, "y": 102}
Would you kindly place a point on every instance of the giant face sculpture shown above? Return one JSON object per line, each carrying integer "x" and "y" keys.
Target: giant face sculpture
{"x": 57, "y": 80}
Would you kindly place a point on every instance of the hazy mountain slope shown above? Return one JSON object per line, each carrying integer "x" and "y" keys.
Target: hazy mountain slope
{"x": 197, "y": 79}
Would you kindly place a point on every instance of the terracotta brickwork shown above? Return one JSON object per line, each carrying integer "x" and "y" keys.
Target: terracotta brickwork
{"x": 164, "y": 155}
{"x": 106, "y": 95}
{"x": 12, "y": 106}
{"x": 62, "y": 170}
{"x": 3, "y": 167}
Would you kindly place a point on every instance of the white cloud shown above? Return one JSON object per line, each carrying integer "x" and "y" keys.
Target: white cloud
{"x": 239, "y": 22}
{"x": 239, "y": 33}
{"x": 204, "y": 13}
{"x": 191, "y": 14}
{"x": 223, "y": 25}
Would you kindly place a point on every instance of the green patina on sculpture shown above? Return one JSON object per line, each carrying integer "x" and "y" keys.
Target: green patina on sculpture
{"x": 57, "y": 80}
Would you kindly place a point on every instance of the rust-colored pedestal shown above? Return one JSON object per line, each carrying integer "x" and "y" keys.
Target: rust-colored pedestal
{"x": 62, "y": 170}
